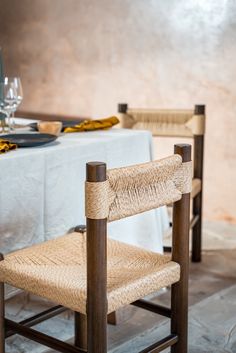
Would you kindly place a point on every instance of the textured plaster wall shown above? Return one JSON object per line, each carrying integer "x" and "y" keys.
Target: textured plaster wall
{"x": 85, "y": 56}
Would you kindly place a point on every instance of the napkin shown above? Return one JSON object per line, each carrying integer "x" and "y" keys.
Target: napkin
{"x": 90, "y": 125}
{"x": 6, "y": 146}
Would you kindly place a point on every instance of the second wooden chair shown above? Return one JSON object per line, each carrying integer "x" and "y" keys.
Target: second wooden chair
{"x": 177, "y": 123}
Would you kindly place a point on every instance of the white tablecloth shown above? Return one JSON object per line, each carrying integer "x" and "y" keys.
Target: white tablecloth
{"x": 42, "y": 189}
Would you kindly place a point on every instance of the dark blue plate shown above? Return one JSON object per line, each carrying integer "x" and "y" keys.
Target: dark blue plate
{"x": 29, "y": 140}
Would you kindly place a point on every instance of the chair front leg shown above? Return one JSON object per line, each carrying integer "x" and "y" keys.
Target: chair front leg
{"x": 2, "y": 315}
{"x": 180, "y": 254}
{"x": 80, "y": 330}
{"x": 96, "y": 286}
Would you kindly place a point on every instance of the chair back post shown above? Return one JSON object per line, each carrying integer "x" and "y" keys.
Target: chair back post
{"x": 122, "y": 108}
{"x": 96, "y": 271}
{"x": 197, "y": 202}
{"x": 198, "y": 146}
{"x": 180, "y": 254}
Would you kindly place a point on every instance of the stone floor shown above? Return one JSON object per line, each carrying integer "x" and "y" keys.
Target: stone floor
{"x": 216, "y": 235}
{"x": 212, "y": 315}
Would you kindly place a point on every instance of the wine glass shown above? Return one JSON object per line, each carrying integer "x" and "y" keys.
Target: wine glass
{"x": 16, "y": 82}
{"x": 8, "y": 102}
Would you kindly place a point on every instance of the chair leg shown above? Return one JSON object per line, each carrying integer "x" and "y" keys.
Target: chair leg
{"x": 80, "y": 330}
{"x": 179, "y": 290}
{"x": 180, "y": 254}
{"x": 197, "y": 230}
{"x": 179, "y": 321}
{"x": 2, "y": 315}
{"x": 97, "y": 331}
{"x": 197, "y": 201}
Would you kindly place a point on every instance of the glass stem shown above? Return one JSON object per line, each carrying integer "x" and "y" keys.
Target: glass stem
{"x": 12, "y": 120}
{"x": 8, "y": 119}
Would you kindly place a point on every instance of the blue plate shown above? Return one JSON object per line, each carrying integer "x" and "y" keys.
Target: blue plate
{"x": 29, "y": 140}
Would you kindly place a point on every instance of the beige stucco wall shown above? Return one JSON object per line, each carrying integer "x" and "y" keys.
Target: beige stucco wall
{"x": 85, "y": 56}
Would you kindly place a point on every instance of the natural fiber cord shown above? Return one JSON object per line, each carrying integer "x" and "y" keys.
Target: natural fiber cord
{"x": 136, "y": 189}
{"x": 196, "y": 187}
{"x": 56, "y": 270}
{"x": 182, "y": 123}
{"x": 96, "y": 201}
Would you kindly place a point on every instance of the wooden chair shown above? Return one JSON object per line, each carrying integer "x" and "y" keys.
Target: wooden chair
{"x": 177, "y": 123}
{"x": 117, "y": 274}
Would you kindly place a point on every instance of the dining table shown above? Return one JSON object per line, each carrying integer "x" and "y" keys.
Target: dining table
{"x": 42, "y": 188}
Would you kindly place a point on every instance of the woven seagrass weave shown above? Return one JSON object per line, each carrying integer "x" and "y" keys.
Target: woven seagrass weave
{"x": 136, "y": 189}
{"x": 196, "y": 187}
{"x": 182, "y": 123}
{"x": 56, "y": 270}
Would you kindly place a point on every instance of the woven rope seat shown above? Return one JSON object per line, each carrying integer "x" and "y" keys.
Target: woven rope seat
{"x": 56, "y": 270}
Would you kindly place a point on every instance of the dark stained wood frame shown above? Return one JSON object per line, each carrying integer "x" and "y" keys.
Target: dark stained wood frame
{"x": 180, "y": 254}
{"x": 97, "y": 286}
{"x": 96, "y": 271}
{"x": 198, "y": 200}
{"x": 196, "y": 221}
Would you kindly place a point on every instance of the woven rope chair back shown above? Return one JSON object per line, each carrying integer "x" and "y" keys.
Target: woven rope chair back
{"x": 136, "y": 189}
{"x": 173, "y": 123}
